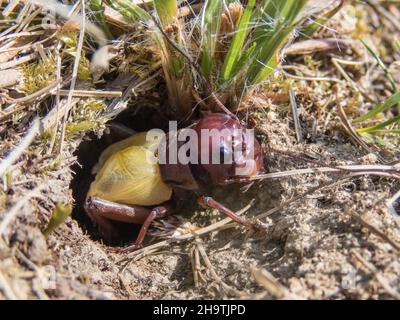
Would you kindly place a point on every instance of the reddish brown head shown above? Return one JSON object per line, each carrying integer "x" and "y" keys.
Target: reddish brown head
{"x": 221, "y": 147}
{"x": 233, "y": 151}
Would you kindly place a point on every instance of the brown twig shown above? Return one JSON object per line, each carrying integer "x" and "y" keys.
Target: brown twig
{"x": 74, "y": 74}
{"x": 272, "y": 285}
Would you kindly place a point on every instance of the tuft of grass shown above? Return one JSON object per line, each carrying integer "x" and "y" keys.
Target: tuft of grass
{"x": 253, "y": 46}
{"x": 233, "y": 46}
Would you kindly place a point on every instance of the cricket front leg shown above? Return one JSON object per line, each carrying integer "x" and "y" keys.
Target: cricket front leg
{"x": 102, "y": 211}
{"x": 157, "y": 213}
{"x": 208, "y": 202}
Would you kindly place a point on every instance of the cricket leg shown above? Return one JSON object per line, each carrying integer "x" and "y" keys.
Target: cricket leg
{"x": 157, "y": 213}
{"x": 208, "y": 202}
{"x": 102, "y": 211}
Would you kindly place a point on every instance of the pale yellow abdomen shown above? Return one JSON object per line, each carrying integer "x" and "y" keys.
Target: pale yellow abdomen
{"x": 128, "y": 173}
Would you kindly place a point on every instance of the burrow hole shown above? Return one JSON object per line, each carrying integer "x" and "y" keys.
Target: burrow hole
{"x": 88, "y": 154}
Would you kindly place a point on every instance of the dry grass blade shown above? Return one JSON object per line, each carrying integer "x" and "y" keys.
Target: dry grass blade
{"x": 314, "y": 45}
{"x": 91, "y": 93}
{"x": 58, "y": 99}
{"x": 16, "y": 62}
{"x": 354, "y": 170}
{"x": 350, "y": 130}
{"x": 9, "y": 78}
{"x": 295, "y": 113}
{"x": 271, "y": 284}
{"x": 74, "y": 73}
{"x": 308, "y": 78}
{"x": 352, "y": 83}
{"x": 196, "y": 269}
{"x": 40, "y": 94}
{"x": 10, "y": 7}
{"x": 52, "y": 118}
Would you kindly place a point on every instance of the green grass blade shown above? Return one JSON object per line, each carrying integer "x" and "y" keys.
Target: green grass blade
{"x": 380, "y": 126}
{"x": 382, "y": 66}
{"x": 392, "y": 131}
{"x": 292, "y": 10}
{"x": 285, "y": 20}
{"x": 240, "y": 65}
{"x": 267, "y": 70}
{"x": 166, "y": 10}
{"x": 267, "y": 18}
{"x": 236, "y": 46}
{"x": 60, "y": 213}
{"x": 130, "y": 10}
{"x": 393, "y": 100}
{"x": 211, "y": 21}
{"x": 263, "y": 60}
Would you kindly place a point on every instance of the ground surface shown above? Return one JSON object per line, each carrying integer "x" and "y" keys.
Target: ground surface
{"x": 337, "y": 241}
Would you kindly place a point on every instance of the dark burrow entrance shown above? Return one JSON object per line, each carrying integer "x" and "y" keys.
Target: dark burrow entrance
{"x": 88, "y": 154}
